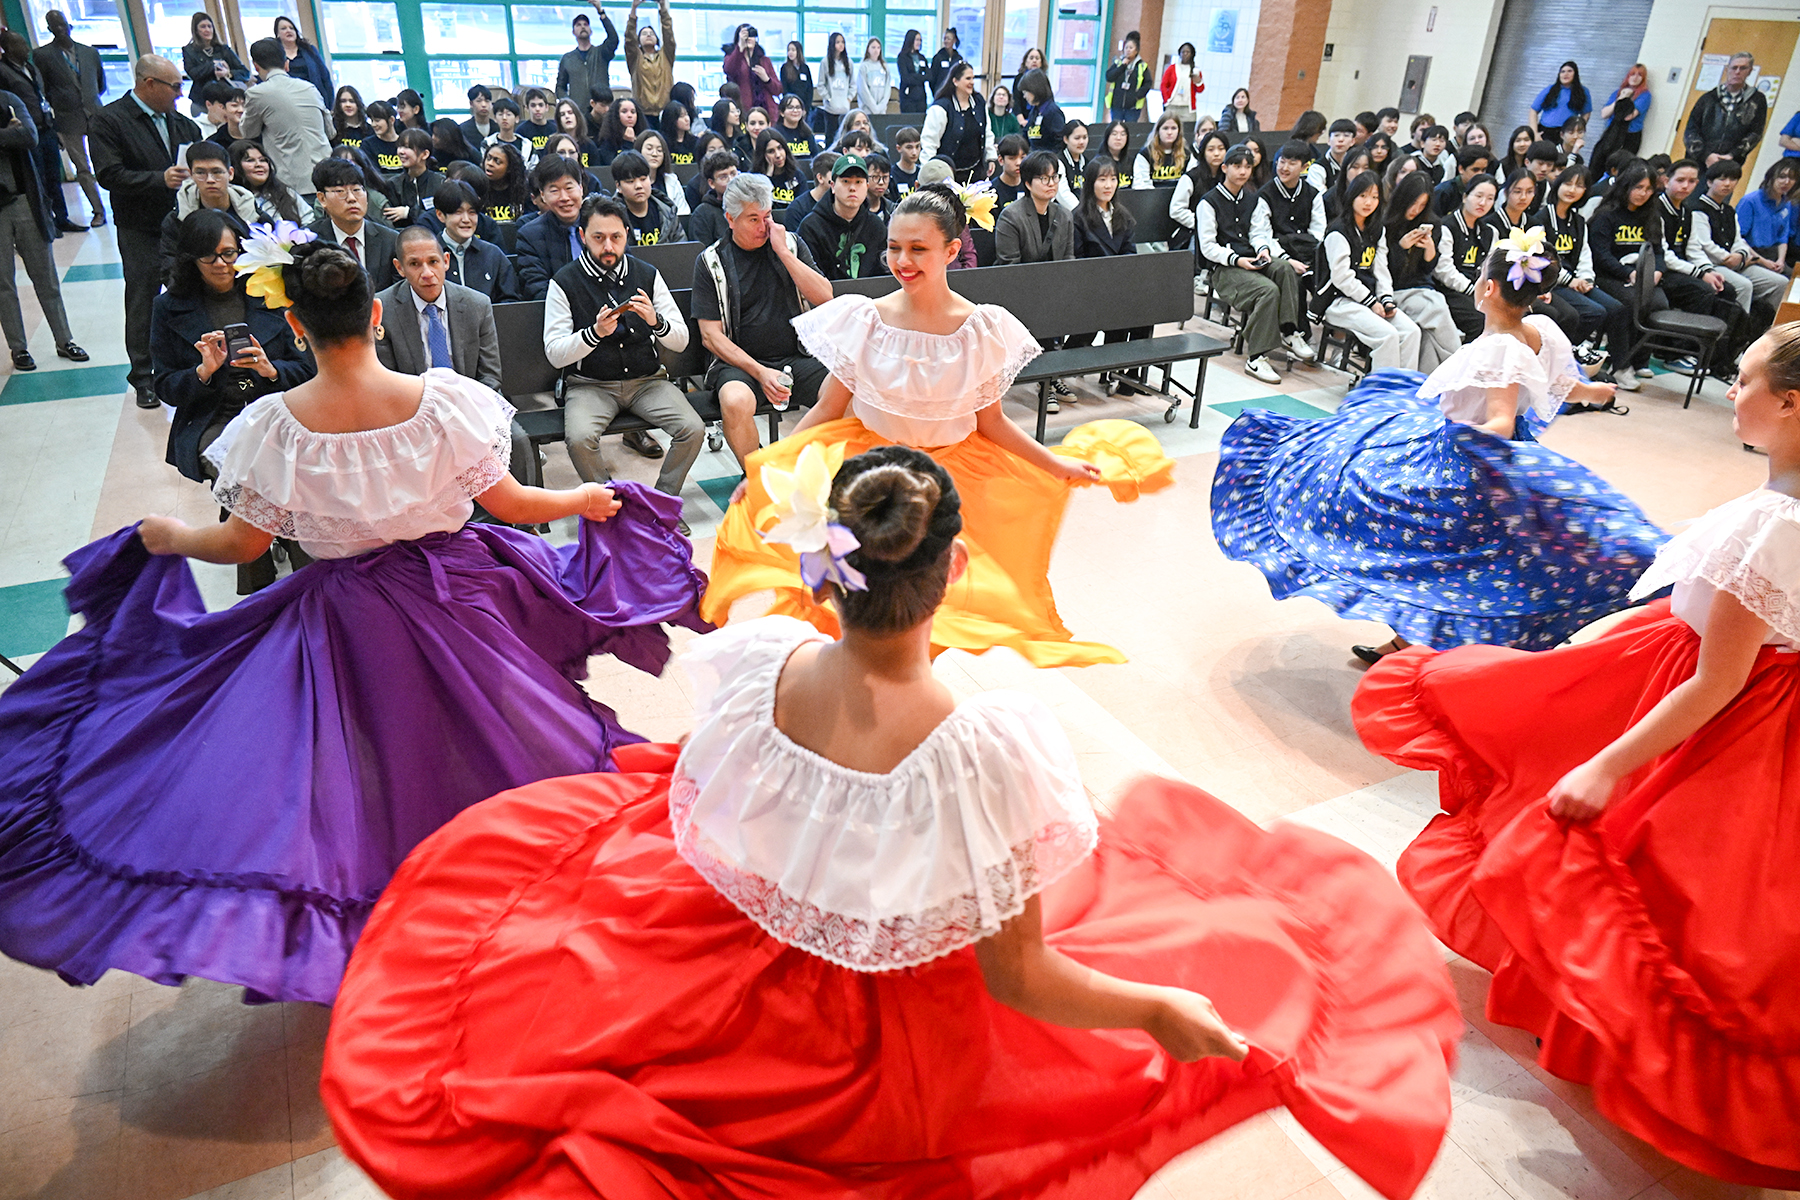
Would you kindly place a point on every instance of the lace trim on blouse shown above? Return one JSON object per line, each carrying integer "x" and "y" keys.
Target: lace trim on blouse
{"x": 248, "y": 505}
{"x": 926, "y": 376}
{"x": 1749, "y": 548}
{"x": 894, "y": 942}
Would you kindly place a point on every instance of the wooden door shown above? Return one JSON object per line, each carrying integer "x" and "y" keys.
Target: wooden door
{"x": 1772, "y": 42}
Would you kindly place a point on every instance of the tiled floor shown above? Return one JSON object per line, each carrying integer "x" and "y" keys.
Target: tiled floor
{"x": 132, "y": 1091}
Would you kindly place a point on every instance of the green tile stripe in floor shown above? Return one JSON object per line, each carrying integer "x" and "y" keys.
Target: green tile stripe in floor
{"x": 34, "y": 387}
{"x": 719, "y": 490}
{"x": 1287, "y": 406}
{"x": 32, "y": 617}
{"x": 90, "y": 272}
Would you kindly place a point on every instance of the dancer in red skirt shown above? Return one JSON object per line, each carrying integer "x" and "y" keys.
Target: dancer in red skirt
{"x": 858, "y": 941}
{"x": 1621, "y": 837}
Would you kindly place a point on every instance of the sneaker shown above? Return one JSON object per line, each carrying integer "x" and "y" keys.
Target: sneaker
{"x": 682, "y": 526}
{"x": 1259, "y": 368}
{"x": 1200, "y": 288}
{"x": 1298, "y": 348}
{"x": 1059, "y": 388}
{"x": 1625, "y": 379}
{"x": 1051, "y": 406}
{"x": 1682, "y": 366}
{"x": 1587, "y": 355}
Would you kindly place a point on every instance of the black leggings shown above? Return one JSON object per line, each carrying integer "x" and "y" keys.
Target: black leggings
{"x": 1631, "y": 354}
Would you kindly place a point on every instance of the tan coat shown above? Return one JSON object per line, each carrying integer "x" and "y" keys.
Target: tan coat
{"x": 651, "y": 78}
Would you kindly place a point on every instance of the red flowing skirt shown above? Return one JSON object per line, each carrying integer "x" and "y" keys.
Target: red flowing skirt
{"x": 549, "y": 1002}
{"x": 1656, "y": 950}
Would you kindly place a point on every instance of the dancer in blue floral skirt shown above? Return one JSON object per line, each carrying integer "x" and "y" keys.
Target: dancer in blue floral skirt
{"x": 1427, "y": 504}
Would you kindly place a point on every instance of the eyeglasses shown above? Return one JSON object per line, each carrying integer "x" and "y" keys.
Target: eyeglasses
{"x": 222, "y": 256}
{"x": 344, "y": 193}
{"x": 173, "y": 87}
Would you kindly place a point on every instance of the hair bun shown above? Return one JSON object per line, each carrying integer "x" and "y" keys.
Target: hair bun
{"x": 889, "y": 509}
{"x": 327, "y": 272}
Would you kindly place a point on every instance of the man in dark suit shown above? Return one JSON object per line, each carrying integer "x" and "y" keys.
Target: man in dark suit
{"x": 346, "y": 203}
{"x": 429, "y": 322}
{"x": 75, "y": 81}
{"x": 134, "y": 141}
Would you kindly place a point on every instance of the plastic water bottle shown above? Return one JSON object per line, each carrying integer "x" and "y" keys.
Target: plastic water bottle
{"x": 786, "y": 378}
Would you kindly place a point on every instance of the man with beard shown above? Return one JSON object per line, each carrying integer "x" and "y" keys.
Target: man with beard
{"x": 605, "y": 314}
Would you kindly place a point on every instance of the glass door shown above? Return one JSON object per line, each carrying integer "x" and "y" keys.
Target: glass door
{"x": 1077, "y": 48}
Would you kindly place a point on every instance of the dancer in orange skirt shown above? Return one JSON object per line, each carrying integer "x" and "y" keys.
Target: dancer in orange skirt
{"x": 1621, "y": 837}
{"x": 862, "y": 941}
{"x": 925, "y": 368}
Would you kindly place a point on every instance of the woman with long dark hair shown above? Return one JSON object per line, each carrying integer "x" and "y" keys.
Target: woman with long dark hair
{"x": 1031, "y": 60}
{"x": 1115, "y": 145}
{"x": 207, "y": 57}
{"x": 1356, "y": 161}
{"x": 274, "y": 200}
{"x": 678, "y": 127}
{"x": 1383, "y": 152}
{"x": 772, "y": 159}
{"x": 303, "y": 59}
{"x": 506, "y": 196}
{"x": 618, "y": 133}
{"x": 956, "y": 128}
{"x": 796, "y": 75}
{"x": 409, "y": 111}
{"x": 836, "y": 86}
{"x": 1516, "y": 147}
{"x": 1103, "y": 229}
{"x": 349, "y": 119}
{"x": 448, "y": 144}
{"x": 1237, "y": 116}
{"x": 748, "y": 65}
{"x": 912, "y": 66}
{"x": 300, "y": 741}
{"x": 1413, "y": 244}
{"x": 1359, "y": 287}
{"x": 1206, "y": 169}
{"x": 1558, "y": 102}
{"x": 1625, "y": 235}
{"x": 802, "y": 142}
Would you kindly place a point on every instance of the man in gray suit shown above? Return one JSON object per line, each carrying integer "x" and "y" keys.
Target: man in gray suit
{"x": 74, "y": 81}
{"x": 287, "y": 116}
{"x": 429, "y": 322}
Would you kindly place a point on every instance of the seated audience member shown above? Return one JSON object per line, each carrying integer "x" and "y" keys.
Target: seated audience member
{"x": 1164, "y": 158}
{"x": 447, "y": 145}
{"x": 552, "y": 241}
{"x": 756, "y": 122}
{"x": 1769, "y": 217}
{"x": 1699, "y": 288}
{"x": 600, "y": 100}
{"x": 1599, "y": 187}
{"x": 1459, "y": 129}
{"x": 1045, "y": 126}
{"x": 1308, "y": 130}
{"x": 564, "y": 145}
{"x": 480, "y": 125}
{"x": 771, "y": 161}
{"x": 906, "y": 160}
{"x": 748, "y": 288}
{"x": 707, "y": 224}
{"x": 1415, "y": 133}
{"x": 1292, "y": 210}
{"x": 609, "y": 358}
{"x": 1517, "y": 203}
{"x": 1072, "y": 163}
{"x": 938, "y": 170}
{"x": 187, "y": 354}
{"x": 1465, "y": 240}
{"x": 274, "y": 200}
{"x": 536, "y": 126}
{"x": 1413, "y": 247}
{"x": 654, "y": 148}
{"x": 1325, "y": 168}
{"x": 856, "y": 123}
{"x": 1255, "y": 279}
{"x": 1714, "y": 237}
{"x": 208, "y": 185}
{"x": 1208, "y": 169}
{"x": 675, "y": 123}
{"x": 1471, "y": 161}
{"x": 1355, "y": 163}
{"x": 506, "y": 184}
{"x": 1572, "y": 138}
{"x": 1661, "y": 165}
{"x": 1435, "y": 154}
{"x": 846, "y": 239}
{"x": 1359, "y": 292}
{"x": 429, "y": 322}
{"x": 1626, "y": 234}
{"x": 472, "y": 261}
{"x": 224, "y": 120}
{"x": 374, "y": 186}
{"x": 506, "y": 133}
{"x": 349, "y": 119}
{"x": 1035, "y": 228}
{"x": 1399, "y": 168}
{"x": 802, "y": 142}
{"x": 651, "y": 220}
{"x": 880, "y": 178}
{"x": 1387, "y": 120}
{"x": 1007, "y": 185}
{"x": 1366, "y": 124}
{"x": 410, "y": 190}
{"x": 805, "y": 202}
{"x": 345, "y": 201}
{"x": 1115, "y": 144}
{"x": 1383, "y": 153}
{"x": 382, "y": 144}
{"x": 1102, "y": 229}
{"x": 1575, "y": 282}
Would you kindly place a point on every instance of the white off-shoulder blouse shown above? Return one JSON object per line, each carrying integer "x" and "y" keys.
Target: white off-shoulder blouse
{"x": 1496, "y": 360}
{"x": 1749, "y": 547}
{"x": 871, "y": 872}
{"x": 342, "y": 494}
{"x": 917, "y": 389}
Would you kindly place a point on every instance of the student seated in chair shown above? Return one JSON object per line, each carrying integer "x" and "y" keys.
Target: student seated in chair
{"x": 1257, "y": 279}
{"x": 651, "y": 219}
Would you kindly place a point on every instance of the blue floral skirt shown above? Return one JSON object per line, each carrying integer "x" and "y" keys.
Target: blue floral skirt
{"x": 1387, "y": 511}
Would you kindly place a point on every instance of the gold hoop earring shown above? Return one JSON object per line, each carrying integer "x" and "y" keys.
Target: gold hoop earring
{"x": 299, "y": 343}
{"x": 380, "y": 333}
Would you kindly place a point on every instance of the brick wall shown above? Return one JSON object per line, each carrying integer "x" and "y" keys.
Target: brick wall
{"x": 1145, "y": 16}
{"x": 1290, "y": 41}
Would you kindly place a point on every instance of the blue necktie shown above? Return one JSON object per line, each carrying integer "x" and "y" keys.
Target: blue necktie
{"x": 437, "y": 338}
{"x": 574, "y": 245}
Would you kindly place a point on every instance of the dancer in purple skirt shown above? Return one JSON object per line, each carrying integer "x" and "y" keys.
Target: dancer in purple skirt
{"x": 226, "y": 794}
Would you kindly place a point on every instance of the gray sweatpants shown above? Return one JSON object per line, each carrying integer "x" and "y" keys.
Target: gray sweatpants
{"x": 1751, "y": 282}
{"x": 1392, "y": 341}
{"x": 589, "y": 406}
{"x": 1269, "y": 299}
{"x": 19, "y": 232}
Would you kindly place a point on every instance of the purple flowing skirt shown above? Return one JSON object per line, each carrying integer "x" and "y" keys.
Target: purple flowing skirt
{"x": 227, "y": 794}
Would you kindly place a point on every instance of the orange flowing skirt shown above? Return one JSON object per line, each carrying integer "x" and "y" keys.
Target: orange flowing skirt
{"x": 1011, "y": 513}
{"x": 549, "y": 1002}
{"x": 1656, "y": 950}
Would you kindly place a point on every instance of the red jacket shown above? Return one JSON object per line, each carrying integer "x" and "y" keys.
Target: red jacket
{"x": 753, "y": 92}
{"x": 1195, "y": 87}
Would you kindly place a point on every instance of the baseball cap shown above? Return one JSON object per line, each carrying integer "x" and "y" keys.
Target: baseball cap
{"x": 848, "y": 163}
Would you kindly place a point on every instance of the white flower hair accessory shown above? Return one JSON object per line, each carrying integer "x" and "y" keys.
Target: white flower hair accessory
{"x": 801, "y": 502}
{"x": 1523, "y": 247}
{"x": 268, "y": 249}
